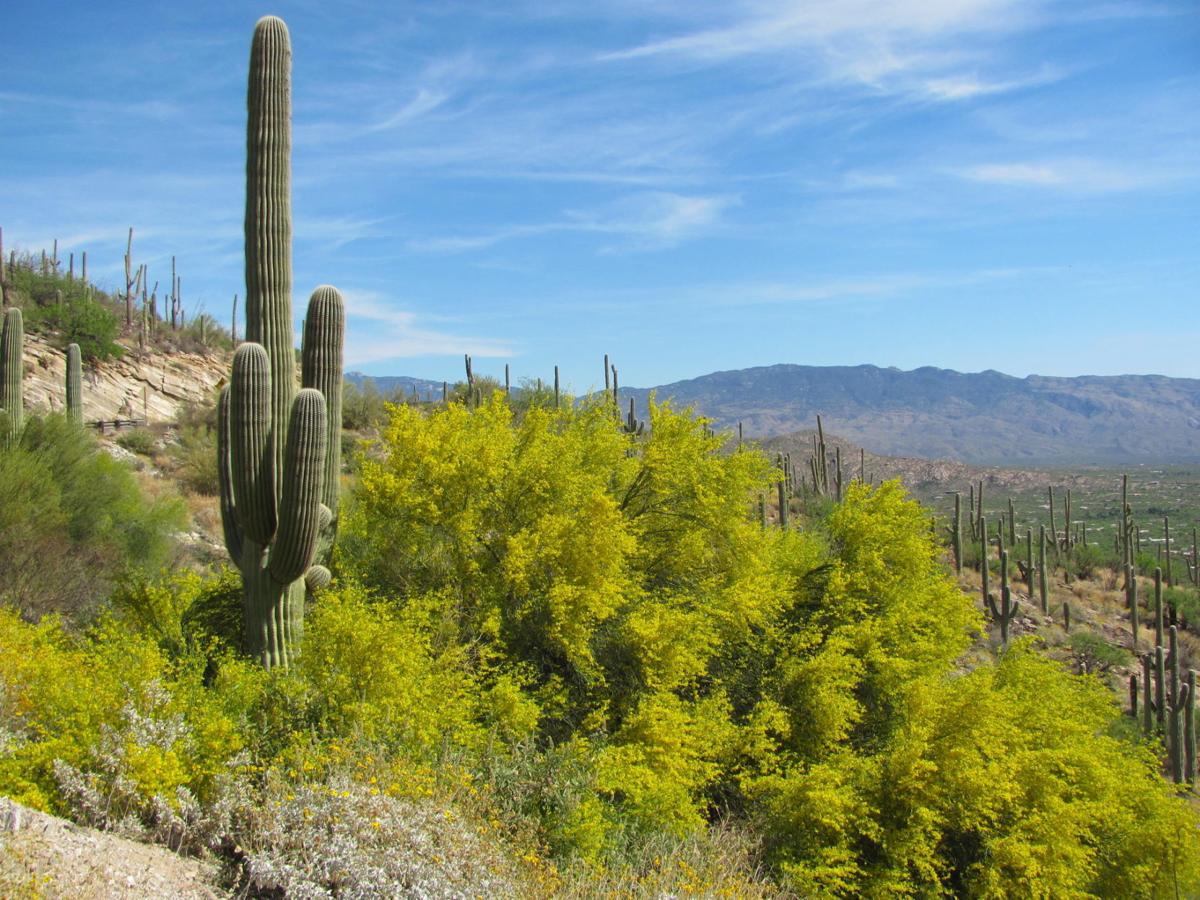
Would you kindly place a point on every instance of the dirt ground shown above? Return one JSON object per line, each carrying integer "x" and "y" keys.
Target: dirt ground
{"x": 43, "y": 856}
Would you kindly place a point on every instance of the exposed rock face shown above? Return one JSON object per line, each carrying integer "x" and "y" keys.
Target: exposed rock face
{"x": 137, "y": 386}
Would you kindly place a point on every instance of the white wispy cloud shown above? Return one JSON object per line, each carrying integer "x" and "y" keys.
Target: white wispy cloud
{"x": 650, "y": 220}
{"x": 1077, "y": 174}
{"x": 966, "y": 86}
{"x": 425, "y": 101}
{"x": 378, "y": 330}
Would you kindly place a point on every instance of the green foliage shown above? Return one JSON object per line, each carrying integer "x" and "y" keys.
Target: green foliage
{"x": 111, "y": 702}
{"x": 1095, "y": 654}
{"x": 1085, "y": 562}
{"x": 1185, "y": 601}
{"x": 1000, "y": 783}
{"x": 137, "y": 440}
{"x": 84, "y": 317}
{"x": 590, "y": 634}
{"x": 182, "y": 610}
{"x": 73, "y": 520}
{"x": 362, "y": 407}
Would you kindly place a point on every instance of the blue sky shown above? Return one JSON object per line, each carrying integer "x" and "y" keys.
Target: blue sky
{"x": 973, "y": 184}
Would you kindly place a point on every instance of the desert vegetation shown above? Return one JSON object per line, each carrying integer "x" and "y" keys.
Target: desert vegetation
{"x": 519, "y": 643}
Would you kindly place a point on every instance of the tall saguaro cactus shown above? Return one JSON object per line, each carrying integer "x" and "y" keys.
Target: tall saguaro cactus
{"x": 278, "y": 450}
{"x": 74, "y": 385}
{"x": 12, "y": 373}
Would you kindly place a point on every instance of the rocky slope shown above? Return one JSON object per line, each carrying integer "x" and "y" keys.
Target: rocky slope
{"x": 139, "y": 385}
{"x": 44, "y": 856}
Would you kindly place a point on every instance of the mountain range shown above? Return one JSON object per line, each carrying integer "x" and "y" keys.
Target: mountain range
{"x": 984, "y": 418}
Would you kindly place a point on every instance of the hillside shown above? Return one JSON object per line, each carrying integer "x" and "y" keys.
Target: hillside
{"x": 140, "y": 385}
{"x": 980, "y": 418}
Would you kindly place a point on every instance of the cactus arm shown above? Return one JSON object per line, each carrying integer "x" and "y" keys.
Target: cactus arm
{"x": 321, "y": 368}
{"x": 300, "y": 504}
{"x": 253, "y": 442}
{"x": 229, "y": 522}
{"x": 316, "y": 578}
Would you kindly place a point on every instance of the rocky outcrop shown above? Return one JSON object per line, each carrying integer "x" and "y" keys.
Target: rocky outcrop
{"x": 139, "y": 385}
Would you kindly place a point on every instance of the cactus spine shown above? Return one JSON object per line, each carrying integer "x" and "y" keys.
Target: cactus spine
{"x": 277, "y": 448}
{"x": 74, "y": 385}
{"x": 12, "y": 376}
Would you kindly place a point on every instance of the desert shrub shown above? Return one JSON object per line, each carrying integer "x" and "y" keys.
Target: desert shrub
{"x": 137, "y": 440}
{"x": 193, "y": 454}
{"x": 73, "y": 519}
{"x": 352, "y": 834}
{"x": 1184, "y": 600}
{"x": 1094, "y": 654}
{"x": 1087, "y": 561}
{"x": 1146, "y": 563}
{"x": 106, "y": 723}
{"x": 363, "y": 406}
{"x": 379, "y": 674}
{"x": 183, "y": 610}
{"x": 79, "y": 320}
{"x": 194, "y": 458}
{"x": 1000, "y": 783}
{"x": 681, "y": 660}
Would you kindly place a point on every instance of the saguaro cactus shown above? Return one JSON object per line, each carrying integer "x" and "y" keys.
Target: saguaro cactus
{"x": 1131, "y": 601}
{"x": 74, "y": 385}
{"x": 1004, "y": 612}
{"x": 274, "y": 456}
{"x": 1189, "y": 730}
{"x": 1042, "y": 593}
{"x": 12, "y": 373}
{"x": 956, "y": 533}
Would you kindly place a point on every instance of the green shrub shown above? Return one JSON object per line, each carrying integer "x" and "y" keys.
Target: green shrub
{"x": 1095, "y": 654}
{"x": 194, "y": 457}
{"x": 1000, "y": 783}
{"x": 79, "y": 320}
{"x": 1086, "y": 561}
{"x": 73, "y": 520}
{"x": 1185, "y": 601}
{"x": 137, "y": 440}
{"x": 193, "y": 454}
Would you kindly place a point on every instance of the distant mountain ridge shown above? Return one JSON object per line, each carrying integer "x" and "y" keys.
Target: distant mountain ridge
{"x": 984, "y": 418}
